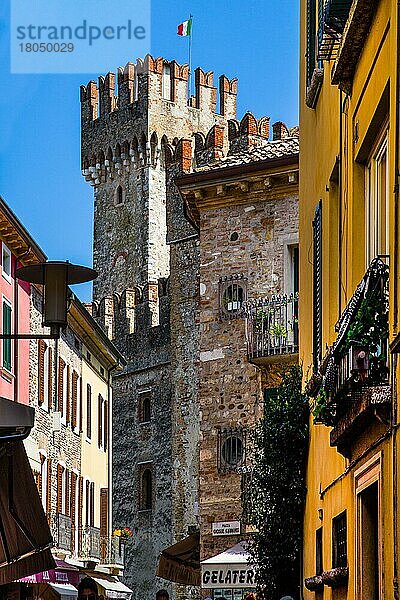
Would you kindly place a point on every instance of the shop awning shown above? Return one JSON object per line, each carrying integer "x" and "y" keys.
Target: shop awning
{"x": 180, "y": 563}
{"x": 66, "y": 590}
{"x": 111, "y": 586}
{"x": 25, "y": 538}
{"x": 230, "y": 569}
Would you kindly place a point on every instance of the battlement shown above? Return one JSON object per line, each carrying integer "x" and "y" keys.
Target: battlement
{"x": 218, "y": 142}
{"x": 135, "y": 310}
{"x": 156, "y": 78}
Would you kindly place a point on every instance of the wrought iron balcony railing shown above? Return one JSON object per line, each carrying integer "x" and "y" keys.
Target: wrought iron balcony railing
{"x": 272, "y": 326}
{"x": 354, "y": 376}
{"x": 64, "y": 529}
{"x": 359, "y": 357}
{"x": 112, "y": 551}
{"x": 91, "y": 543}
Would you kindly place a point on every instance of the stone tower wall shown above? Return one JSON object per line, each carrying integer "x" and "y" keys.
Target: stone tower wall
{"x": 146, "y": 296}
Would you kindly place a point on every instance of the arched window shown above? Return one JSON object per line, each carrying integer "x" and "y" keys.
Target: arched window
{"x": 146, "y": 496}
{"x": 232, "y": 295}
{"x": 119, "y": 196}
{"x": 144, "y": 408}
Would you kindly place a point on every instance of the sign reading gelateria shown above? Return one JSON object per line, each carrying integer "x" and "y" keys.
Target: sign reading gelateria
{"x": 230, "y": 569}
{"x": 227, "y": 576}
{"x": 226, "y": 528}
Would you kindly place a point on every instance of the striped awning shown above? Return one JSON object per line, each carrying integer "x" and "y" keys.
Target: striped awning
{"x": 25, "y": 538}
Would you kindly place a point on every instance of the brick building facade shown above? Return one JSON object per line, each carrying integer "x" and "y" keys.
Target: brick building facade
{"x": 245, "y": 207}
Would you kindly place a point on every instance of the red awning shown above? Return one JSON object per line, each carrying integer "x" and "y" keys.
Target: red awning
{"x": 25, "y": 538}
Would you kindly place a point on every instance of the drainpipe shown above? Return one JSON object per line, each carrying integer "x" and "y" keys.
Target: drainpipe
{"x": 394, "y": 466}
{"x": 16, "y": 342}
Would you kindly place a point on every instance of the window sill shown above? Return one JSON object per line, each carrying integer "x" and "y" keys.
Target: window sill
{"x": 7, "y": 277}
{"x": 88, "y": 440}
{"x": 144, "y": 422}
{"x": 145, "y": 511}
{"x": 7, "y": 375}
{"x": 314, "y": 88}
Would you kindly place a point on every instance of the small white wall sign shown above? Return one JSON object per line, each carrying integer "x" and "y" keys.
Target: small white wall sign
{"x": 226, "y": 528}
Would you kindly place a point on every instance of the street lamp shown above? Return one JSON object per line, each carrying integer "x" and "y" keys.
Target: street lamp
{"x": 55, "y": 276}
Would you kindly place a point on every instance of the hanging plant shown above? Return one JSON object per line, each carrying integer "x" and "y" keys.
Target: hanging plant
{"x": 322, "y": 412}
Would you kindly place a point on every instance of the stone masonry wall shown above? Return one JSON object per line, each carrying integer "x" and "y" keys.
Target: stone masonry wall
{"x": 64, "y": 445}
{"x": 230, "y": 387}
{"x": 126, "y": 136}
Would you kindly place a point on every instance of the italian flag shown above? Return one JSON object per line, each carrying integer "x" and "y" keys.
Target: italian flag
{"x": 185, "y": 28}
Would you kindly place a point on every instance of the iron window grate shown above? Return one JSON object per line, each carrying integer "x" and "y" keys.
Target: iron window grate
{"x": 339, "y": 541}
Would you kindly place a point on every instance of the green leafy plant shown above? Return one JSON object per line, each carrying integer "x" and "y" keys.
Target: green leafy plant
{"x": 278, "y": 330}
{"x": 322, "y": 412}
{"x": 274, "y": 497}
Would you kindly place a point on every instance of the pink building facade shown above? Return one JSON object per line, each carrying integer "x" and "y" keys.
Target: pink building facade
{"x": 17, "y": 248}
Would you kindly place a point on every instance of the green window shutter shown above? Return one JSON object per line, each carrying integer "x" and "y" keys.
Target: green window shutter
{"x": 6, "y": 329}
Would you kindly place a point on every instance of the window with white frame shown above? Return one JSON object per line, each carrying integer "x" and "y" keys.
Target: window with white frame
{"x": 377, "y": 201}
{"x": 6, "y": 262}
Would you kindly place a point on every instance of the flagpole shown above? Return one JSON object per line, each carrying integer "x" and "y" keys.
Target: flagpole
{"x": 190, "y": 58}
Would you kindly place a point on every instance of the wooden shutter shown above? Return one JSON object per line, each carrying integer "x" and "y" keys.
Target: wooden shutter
{"x": 41, "y": 351}
{"x": 317, "y": 287}
{"x": 72, "y": 507}
{"x": 80, "y": 510}
{"x": 38, "y": 480}
{"x": 48, "y": 490}
{"x": 74, "y": 399}
{"x": 50, "y": 378}
{"x": 67, "y": 498}
{"x": 68, "y": 399}
{"x": 92, "y": 504}
{"x": 7, "y": 329}
{"x": 105, "y": 425}
{"x": 311, "y": 38}
{"x": 60, "y": 470}
{"x": 100, "y": 421}
{"x": 87, "y": 504}
{"x": 80, "y": 405}
{"x": 89, "y": 411}
{"x": 60, "y": 392}
{"x": 104, "y": 512}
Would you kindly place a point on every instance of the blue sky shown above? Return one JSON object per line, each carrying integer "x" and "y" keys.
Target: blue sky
{"x": 40, "y": 177}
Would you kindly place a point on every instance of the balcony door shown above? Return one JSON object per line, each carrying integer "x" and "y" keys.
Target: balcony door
{"x": 377, "y": 201}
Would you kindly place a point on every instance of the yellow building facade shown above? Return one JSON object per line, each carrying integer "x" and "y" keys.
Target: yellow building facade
{"x": 348, "y": 308}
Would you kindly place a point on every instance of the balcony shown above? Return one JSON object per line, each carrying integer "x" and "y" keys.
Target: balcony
{"x": 113, "y": 552}
{"x": 64, "y": 530}
{"x": 272, "y": 329}
{"x": 355, "y": 390}
{"x": 91, "y": 549}
{"x": 331, "y": 26}
{"x": 355, "y": 33}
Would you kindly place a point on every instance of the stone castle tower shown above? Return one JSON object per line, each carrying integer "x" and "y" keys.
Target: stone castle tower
{"x": 146, "y": 295}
